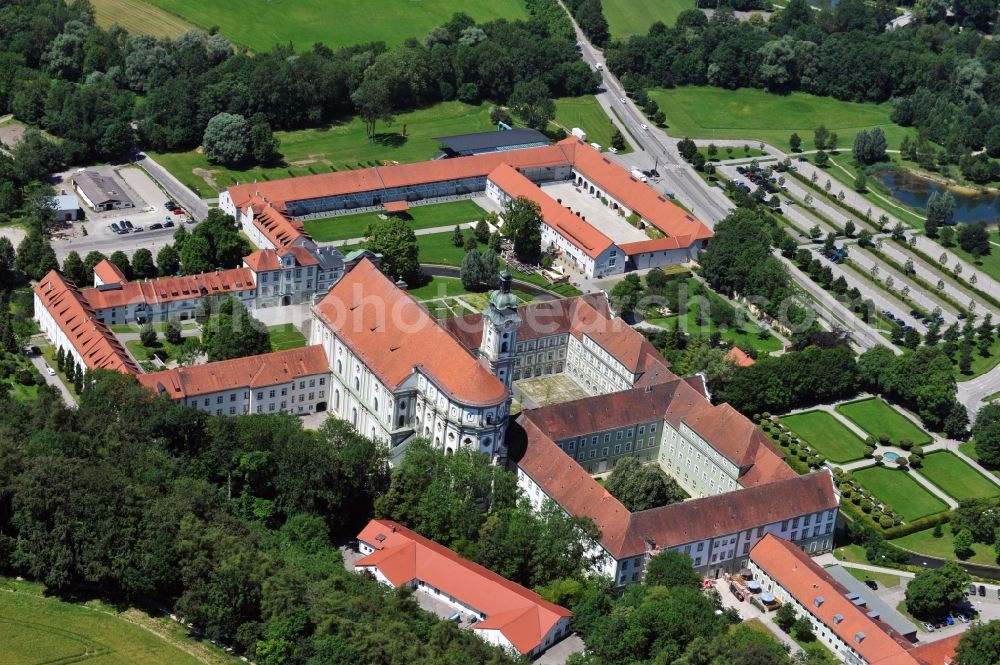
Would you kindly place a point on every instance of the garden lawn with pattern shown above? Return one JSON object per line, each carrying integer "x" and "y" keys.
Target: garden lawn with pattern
{"x": 896, "y": 489}
{"x": 876, "y": 417}
{"x": 826, "y": 435}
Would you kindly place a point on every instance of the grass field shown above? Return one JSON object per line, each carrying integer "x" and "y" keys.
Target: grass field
{"x": 439, "y": 287}
{"x": 883, "y": 579}
{"x": 37, "y": 630}
{"x": 139, "y": 17}
{"x": 587, "y": 114}
{"x": 876, "y": 417}
{"x": 950, "y": 473}
{"x": 924, "y": 542}
{"x": 341, "y": 146}
{"x": 754, "y": 115}
{"x": 826, "y": 434}
{"x": 260, "y": 24}
{"x": 421, "y": 217}
{"x": 989, "y": 264}
{"x": 285, "y": 336}
{"x": 899, "y": 491}
{"x": 633, "y": 17}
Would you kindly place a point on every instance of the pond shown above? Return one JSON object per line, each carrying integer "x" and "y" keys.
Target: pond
{"x": 914, "y": 191}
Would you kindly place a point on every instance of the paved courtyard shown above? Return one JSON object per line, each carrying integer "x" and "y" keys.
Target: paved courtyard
{"x": 598, "y": 215}
{"x": 545, "y": 390}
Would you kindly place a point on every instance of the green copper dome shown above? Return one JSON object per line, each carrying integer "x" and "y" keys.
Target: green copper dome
{"x": 502, "y": 298}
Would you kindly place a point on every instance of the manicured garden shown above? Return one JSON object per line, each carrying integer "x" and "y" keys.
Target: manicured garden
{"x": 285, "y": 336}
{"x": 755, "y": 115}
{"x": 827, "y": 435}
{"x": 924, "y": 542}
{"x": 956, "y": 478}
{"x": 339, "y": 147}
{"x": 895, "y": 488}
{"x": 419, "y": 217}
{"x": 876, "y": 417}
{"x": 260, "y": 24}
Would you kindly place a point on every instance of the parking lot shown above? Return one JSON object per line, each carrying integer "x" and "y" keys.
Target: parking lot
{"x": 100, "y": 235}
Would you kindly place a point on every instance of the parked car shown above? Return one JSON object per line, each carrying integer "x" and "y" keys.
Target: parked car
{"x": 154, "y": 227}
{"x": 168, "y": 224}
{"x": 115, "y": 227}
{"x": 169, "y": 205}
{"x": 178, "y": 211}
{"x": 623, "y": 100}
{"x": 928, "y": 627}
{"x": 972, "y": 589}
{"x": 128, "y": 223}
{"x": 50, "y": 371}
{"x": 982, "y": 590}
{"x": 872, "y": 584}
{"x": 645, "y": 127}
{"x": 138, "y": 229}
{"x": 961, "y": 616}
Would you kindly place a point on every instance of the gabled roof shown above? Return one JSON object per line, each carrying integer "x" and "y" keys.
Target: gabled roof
{"x": 655, "y": 245}
{"x": 280, "y": 230}
{"x": 403, "y": 555}
{"x": 938, "y": 652}
{"x": 560, "y": 219}
{"x": 167, "y": 289}
{"x": 95, "y": 343}
{"x": 806, "y": 581}
{"x": 395, "y": 336}
{"x": 259, "y": 371}
{"x": 270, "y": 259}
{"x": 108, "y": 273}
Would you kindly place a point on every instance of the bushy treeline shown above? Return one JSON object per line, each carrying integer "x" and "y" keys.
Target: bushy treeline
{"x": 229, "y": 522}
{"x": 84, "y": 84}
{"x": 941, "y": 80}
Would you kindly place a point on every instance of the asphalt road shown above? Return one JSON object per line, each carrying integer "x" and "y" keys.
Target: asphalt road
{"x": 197, "y": 207}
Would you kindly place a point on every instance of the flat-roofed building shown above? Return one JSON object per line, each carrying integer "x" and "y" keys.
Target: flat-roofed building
{"x": 464, "y": 145}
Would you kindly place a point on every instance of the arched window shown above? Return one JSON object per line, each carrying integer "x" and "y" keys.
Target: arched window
{"x": 354, "y": 417}
{"x": 489, "y": 419}
{"x": 400, "y": 421}
{"x": 340, "y": 367}
{"x": 487, "y": 442}
{"x": 503, "y": 348}
{"x": 336, "y": 399}
{"x": 357, "y": 383}
{"x": 376, "y": 404}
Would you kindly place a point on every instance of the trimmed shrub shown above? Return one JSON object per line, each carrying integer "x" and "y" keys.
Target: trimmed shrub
{"x": 885, "y": 522}
{"x": 884, "y": 439}
{"x": 905, "y": 444}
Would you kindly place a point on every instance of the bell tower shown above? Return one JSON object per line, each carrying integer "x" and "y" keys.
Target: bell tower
{"x": 498, "y": 347}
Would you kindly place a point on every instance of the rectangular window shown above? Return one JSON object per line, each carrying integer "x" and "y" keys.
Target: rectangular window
{"x": 260, "y": 407}
{"x": 628, "y": 447}
{"x": 232, "y": 410}
{"x": 630, "y": 432}
{"x": 642, "y": 430}
{"x": 270, "y": 393}
{"x": 607, "y": 437}
{"x": 593, "y": 453}
{"x": 618, "y": 449}
{"x": 604, "y": 451}
{"x": 618, "y": 436}
{"x": 232, "y": 397}
{"x": 571, "y": 446}
{"x": 270, "y": 407}
{"x": 322, "y": 381}
{"x": 652, "y": 428}
{"x": 284, "y": 405}
{"x": 218, "y": 400}
{"x": 284, "y": 392}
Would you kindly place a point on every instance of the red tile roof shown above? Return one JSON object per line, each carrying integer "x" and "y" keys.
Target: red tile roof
{"x": 655, "y": 245}
{"x": 739, "y": 357}
{"x": 557, "y": 217}
{"x": 643, "y": 199}
{"x": 939, "y": 652}
{"x": 625, "y": 534}
{"x": 108, "y": 272}
{"x": 280, "y": 230}
{"x": 805, "y": 580}
{"x": 402, "y": 556}
{"x": 251, "y": 372}
{"x": 270, "y": 259}
{"x": 738, "y": 439}
{"x": 394, "y": 335}
{"x": 396, "y": 206}
{"x": 95, "y": 343}
{"x": 167, "y": 289}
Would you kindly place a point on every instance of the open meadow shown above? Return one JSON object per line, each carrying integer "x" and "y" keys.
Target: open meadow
{"x": 633, "y": 17}
{"x": 140, "y": 17}
{"x": 702, "y": 112}
{"x": 260, "y": 24}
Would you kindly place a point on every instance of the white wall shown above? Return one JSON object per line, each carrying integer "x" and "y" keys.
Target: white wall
{"x": 55, "y": 334}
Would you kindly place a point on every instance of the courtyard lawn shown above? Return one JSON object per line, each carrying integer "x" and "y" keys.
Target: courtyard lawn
{"x": 876, "y": 417}
{"x": 633, "y": 17}
{"x": 285, "y": 336}
{"x": 260, "y": 24}
{"x": 587, "y": 114}
{"x": 755, "y": 115}
{"x": 950, "y": 473}
{"x": 139, "y": 17}
{"x": 896, "y": 489}
{"x": 924, "y": 542}
{"x": 340, "y": 146}
{"x": 37, "y": 629}
{"x": 883, "y": 579}
{"x": 439, "y": 287}
{"x": 827, "y": 435}
{"x": 420, "y": 217}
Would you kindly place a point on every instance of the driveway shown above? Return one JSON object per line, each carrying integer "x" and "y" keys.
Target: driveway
{"x": 54, "y": 381}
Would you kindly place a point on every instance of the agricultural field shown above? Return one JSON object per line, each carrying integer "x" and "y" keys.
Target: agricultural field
{"x": 876, "y": 417}
{"x": 285, "y": 336}
{"x": 702, "y": 112}
{"x": 899, "y": 491}
{"x": 956, "y": 478}
{"x": 339, "y": 147}
{"x": 633, "y": 17}
{"x": 140, "y": 17}
{"x": 587, "y": 114}
{"x": 260, "y": 24}
{"x": 347, "y": 227}
{"x": 37, "y": 629}
{"x": 827, "y": 435}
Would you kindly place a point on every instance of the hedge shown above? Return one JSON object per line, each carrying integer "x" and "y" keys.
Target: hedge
{"x": 927, "y": 522}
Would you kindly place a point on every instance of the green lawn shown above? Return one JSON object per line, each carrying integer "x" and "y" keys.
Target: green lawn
{"x": 439, "y": 287}
{"x": 876, "y": 417}
{"x": 420, "y": 217}
{"x": 899, "y": 491}
{"x": 924, "y": 542}
{"x": 341, "y": 146}
{"x": 587, "y": 114}
{"x": 633, "y": 17}
{"x": 990, "y": 264}
{"x": 755, "y": 115}
{"x": 285, "y": 336}
{"x": 260, "y": 24}
{"x": 144, "y": 354}
{"x": 884, "y": 579}
{"x": 950, "y": 473}
{"x": 36, "y": 629}
{"x": 826, "y": 434}
{"x": 853, "y": 553}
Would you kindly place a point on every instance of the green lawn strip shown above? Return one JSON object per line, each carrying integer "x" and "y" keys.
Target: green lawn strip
{"x": 587, "y": 114}
{"x": 260, "y": 24}
{"x": 851, "y": 553}
{"x": 873, "y": 189}
{"x": 420, "y": 217}
{"x": 755, "y": 115}
{"x": 899, "y": 491}
{"x": 341, "y": 146}
{"x": 160, "y": 327}
{"x": 989, "y": 264}
{"x": 285, "y": 336}
{"x": 876, "y": 417}
{"x": 827, "y": 435}
{"x": 40, "y": 629}
{"x": 884, "y": 579}
{"x": 954, "y": 477}
{"x": 924, "y": 542}
{"x": 633, "y": 17}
